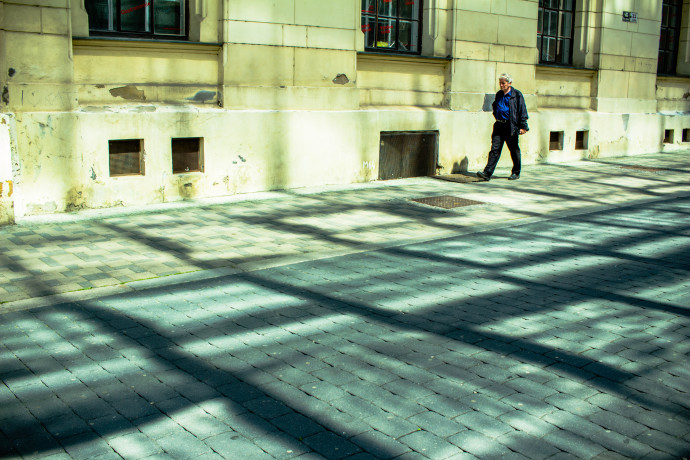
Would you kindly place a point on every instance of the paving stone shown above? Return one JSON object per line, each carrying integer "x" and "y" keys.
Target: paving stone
{"x": 482, "y": 423}
{"x": 323, "y": 390}
{"x": 267, "y": 407}
{"x": 429, "y": 444}
{"x": 444, "y": 405}
{"x": 479, "y": 445}
{"x": 527, "y": 423}
{"x": 87, "y": 446}
{"x": 571, "y": 404}
{"x": 232, "y": 445}
{"x": 134, "y": 407}
{"x": 183, "y": 445}
{"x": 532, "y": 447}
{"x": 134, "y": 445}
{"x": 436, "y": 424}
{"x": 297, "y": 425}
{"x": 392, "y": 426}
{"x": 331, "y": 446}
{"x": 574, "y": 444}
{"x": 617, "y": 423}
{"x": 663, "y": 442}
{"x": 66, "y": 425}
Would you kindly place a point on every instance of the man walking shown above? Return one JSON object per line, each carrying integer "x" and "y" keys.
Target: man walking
{"x": 511, "y": 121}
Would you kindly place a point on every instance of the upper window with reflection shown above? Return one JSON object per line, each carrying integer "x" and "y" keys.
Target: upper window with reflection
{"x": 669, "y": 36}
{"x": 392, "y": 25}
{"x": 163, "y": 19}
{"x": 555, "y": 31}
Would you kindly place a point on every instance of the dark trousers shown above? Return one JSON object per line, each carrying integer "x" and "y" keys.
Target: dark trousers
{"x": 501, "y": 134}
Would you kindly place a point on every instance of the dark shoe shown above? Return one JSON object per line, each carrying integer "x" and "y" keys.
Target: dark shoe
{"x": 514, "y": 177}
{"x": 483, "y": 175}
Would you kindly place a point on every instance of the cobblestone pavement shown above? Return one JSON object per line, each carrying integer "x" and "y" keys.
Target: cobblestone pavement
{"x": 389, "y": 330}
{"x": 272, "y": 229}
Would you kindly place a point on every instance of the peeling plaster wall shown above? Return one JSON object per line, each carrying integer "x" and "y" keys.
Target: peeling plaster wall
{"x": 248, "y": 151}
{"x": 7, "y": 183}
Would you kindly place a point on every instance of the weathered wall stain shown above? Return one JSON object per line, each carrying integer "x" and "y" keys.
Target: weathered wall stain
{"x": 341, "y": 79}
{"x": 203, "y": 96}
{"x": 75, "y": 200}
{"x": 129, "y": 93}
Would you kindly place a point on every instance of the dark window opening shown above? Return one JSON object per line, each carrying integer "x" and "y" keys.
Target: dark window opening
{"x": 187, "y": 155}
{"x": 556, "y": 140}
{"x": 669, "y": 36}
{"x": 668, "y": 136}
{"x": 686, "y": 135}
{"x": 392, "y": 25}
{"x": 581, "y": 140}
{"x": 126, "y": 157}
{"x": 408, "y": 154}
{"x": 165, "y": 19}
{"x": 555, "y": 31}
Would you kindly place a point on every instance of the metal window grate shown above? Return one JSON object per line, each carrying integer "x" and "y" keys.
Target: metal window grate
{"x": 187, "y": 155}
{"x": 446, "y": 201}
{"x": 126, "y": 157}
{"x": 408, "y": 154}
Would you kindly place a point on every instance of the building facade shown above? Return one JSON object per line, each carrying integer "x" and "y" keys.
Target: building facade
{"x": 110, "y": 103}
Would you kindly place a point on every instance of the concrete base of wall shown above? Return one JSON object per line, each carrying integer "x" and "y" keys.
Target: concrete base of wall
{"x": 63, "y": 157}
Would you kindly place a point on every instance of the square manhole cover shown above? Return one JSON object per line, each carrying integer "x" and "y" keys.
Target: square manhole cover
{"x": 446, "y": 201}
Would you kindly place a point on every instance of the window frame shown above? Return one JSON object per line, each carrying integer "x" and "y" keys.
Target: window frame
{"x": 669, "y": 57}
{"x": 117, "y": 25}
{"x": 559, "y": 38}
{"x": 397, "y": 19}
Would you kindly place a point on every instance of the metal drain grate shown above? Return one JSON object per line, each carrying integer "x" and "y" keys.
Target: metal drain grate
{"x": 644, "y": 168}
{"x": 446, "y": 201}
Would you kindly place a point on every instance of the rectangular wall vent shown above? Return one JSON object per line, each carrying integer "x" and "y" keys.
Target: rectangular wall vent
{"x": 126, "y": 157}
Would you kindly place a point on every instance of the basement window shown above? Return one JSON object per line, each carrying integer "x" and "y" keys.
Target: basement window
{"x": 581, "y": 140}
{"x": 668, "y": 136}
{"x": 187, "y": 155}
{"x": 126, "y": 157}
{"x": 556, "y": 140}
{"x": 686, "y": 135}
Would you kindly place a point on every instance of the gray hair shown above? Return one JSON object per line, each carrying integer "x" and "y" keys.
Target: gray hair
{"x": 506, "y": 77}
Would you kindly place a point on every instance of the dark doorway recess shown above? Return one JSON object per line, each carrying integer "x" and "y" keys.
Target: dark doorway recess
{"x": 408, "y": 154}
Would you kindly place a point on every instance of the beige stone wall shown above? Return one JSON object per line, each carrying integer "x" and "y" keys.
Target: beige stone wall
{"x": 283, "y": 95}
{"x": 290, "y": 54}
{"x": 37, "y": 47}
{"x": 627, "y": 55}
{"x": 490, "y": 38}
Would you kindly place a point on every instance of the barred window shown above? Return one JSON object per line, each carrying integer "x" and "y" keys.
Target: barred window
{"x": 138, "y": 18}
{"x": 555, "y": 31}
{"x": 392, "y": 25}
{"x": 669, "y": 36}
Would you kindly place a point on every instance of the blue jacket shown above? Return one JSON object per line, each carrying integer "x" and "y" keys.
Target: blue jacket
{"x": 518, "y": 111}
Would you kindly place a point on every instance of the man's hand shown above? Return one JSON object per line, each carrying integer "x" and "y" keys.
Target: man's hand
{"x": 523, "y": 131}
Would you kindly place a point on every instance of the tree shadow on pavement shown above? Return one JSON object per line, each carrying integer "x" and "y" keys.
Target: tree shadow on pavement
{"x": 509, "y": 344}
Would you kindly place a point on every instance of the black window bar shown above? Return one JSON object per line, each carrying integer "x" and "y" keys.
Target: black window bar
{"x": 164, "y": 19}
{"x": 392, "y": 25}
